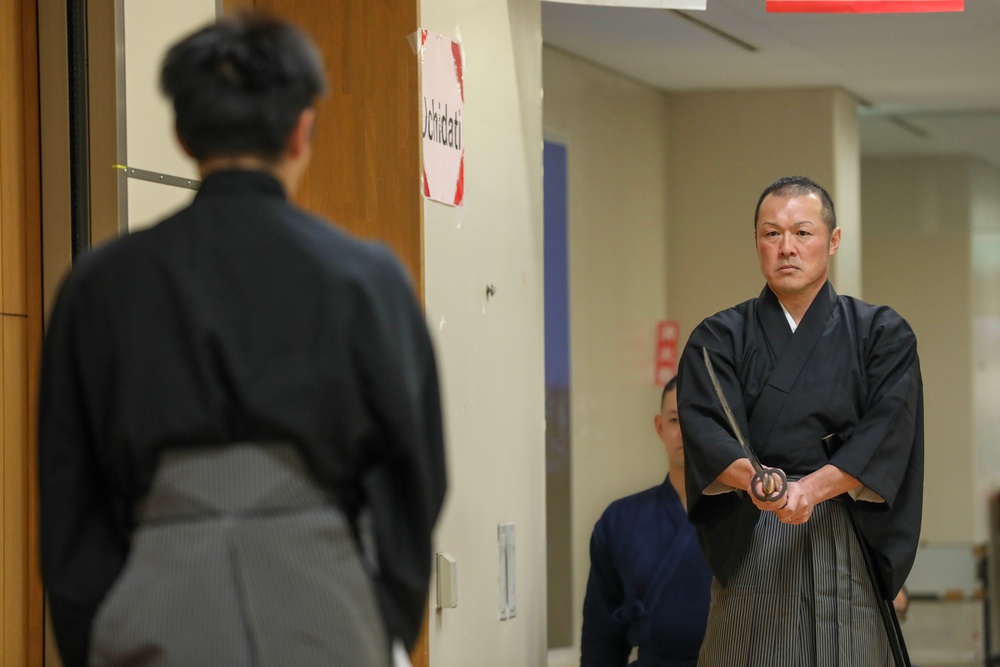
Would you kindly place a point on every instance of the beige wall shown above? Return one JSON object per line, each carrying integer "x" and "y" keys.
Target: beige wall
{"x": 917, "y": 259}
{"x": 150, "y": 28}
{"x": 725, "y": 148}
{"x": 491, "y": 351}
{"x": 615, "y": 133}
{"x": 845, "y": 187}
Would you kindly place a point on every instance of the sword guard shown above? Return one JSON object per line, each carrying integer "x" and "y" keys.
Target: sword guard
{"x": 773, "y": 483}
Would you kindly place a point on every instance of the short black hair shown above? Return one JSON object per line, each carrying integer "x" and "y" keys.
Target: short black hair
{"x": 667, "y": 388}
{"x": 800, "y": 186}
{"x": 238, "y": 86}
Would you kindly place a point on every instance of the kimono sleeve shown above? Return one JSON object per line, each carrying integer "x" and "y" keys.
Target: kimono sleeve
{"x": 404, "y": 488}
{"x": 878, "y": 448}
{"x": 82, "y": 547}
{"x": 709, "y": 443}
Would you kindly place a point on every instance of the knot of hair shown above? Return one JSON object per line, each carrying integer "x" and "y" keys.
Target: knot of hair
{"x": 227, "y": 70}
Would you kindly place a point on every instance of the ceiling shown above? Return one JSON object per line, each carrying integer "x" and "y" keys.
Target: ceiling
{"x": 927, "y": 83}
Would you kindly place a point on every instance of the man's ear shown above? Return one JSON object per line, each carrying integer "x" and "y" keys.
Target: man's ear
{"x": 834, "y": 241}
{"x": 301, "y": 137}
{"x": 180, "y": 141}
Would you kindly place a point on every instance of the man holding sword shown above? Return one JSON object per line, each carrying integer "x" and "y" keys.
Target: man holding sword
{"x": 803, "y": 417}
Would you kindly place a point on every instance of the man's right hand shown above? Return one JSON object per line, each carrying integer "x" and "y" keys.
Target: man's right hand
{"x": 798, "y": 504}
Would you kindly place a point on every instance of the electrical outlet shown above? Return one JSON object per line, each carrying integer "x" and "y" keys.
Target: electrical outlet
{"x": 507, "y": 579}
{"x": 447, "y": 581}
{"x": 511, "y": 572}
{"x": 502, "y": 570}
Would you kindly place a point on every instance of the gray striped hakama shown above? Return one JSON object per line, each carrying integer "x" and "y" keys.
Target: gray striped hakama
{"x": 801, "y": 597}
{"x": 240, "y": 560}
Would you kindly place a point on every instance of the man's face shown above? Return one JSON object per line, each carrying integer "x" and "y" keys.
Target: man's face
{"x": 668, "y": 427}
{"x": 794, "y": 245}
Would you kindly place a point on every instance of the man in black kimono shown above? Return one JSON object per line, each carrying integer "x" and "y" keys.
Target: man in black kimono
{"x": 827, "y": 388}
{"x": 241, "y": 456}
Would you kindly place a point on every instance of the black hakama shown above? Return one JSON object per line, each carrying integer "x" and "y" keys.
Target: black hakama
{"x": 801, "y": 596}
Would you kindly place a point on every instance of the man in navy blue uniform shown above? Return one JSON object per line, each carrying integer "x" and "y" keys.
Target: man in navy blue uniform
{"x": 649, "y": 584}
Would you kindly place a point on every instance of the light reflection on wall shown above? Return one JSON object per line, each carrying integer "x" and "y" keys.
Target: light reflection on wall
{"x": 985, "y": 214}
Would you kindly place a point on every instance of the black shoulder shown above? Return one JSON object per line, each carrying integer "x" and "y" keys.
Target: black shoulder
{"x": 874, "y": 318}
{"x": 346, "y": 258}
{"x": 725, "y": 327}
{"x": 880, "y": 329}
{"x": 102, "y": 264}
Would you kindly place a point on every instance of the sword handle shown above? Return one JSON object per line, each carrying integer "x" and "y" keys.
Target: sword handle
{"x": 773, "y": 484}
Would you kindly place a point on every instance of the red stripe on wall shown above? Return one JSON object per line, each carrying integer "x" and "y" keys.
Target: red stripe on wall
{"x": 863, "y": 6}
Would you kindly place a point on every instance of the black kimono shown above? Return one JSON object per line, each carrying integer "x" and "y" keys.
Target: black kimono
{"x": 850, "y": 370}
{"x": 239, "y": 319}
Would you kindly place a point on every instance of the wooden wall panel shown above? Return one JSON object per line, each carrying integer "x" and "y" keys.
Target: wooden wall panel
{"x": 21, "y": 600}
{"x": 34, "y": 326}
{"x": 365, "y": 168}
{"x": 13, "y": 489}
{"x": 12, "y": 246}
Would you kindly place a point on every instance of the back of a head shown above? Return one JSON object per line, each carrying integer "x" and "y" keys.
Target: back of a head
{"x": 239, "y": 86}
{"x": 670, "y": 386}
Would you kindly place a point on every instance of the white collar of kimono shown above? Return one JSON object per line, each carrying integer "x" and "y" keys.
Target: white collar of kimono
{"x": 788, "y": 316}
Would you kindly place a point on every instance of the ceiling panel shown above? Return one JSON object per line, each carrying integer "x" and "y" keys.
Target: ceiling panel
{"x": 940, "y": 72}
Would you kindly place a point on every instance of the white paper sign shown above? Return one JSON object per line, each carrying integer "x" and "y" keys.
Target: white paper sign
{"x": 443, "y": 105}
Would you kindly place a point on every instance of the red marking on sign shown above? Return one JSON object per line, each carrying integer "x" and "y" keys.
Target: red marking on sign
{"x": 456, "y": 50}
{"x": 665, "y": 361}
{"x": 460, "y": 183}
